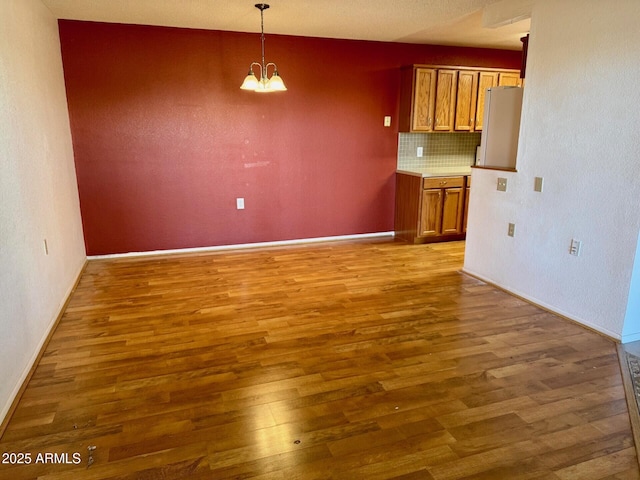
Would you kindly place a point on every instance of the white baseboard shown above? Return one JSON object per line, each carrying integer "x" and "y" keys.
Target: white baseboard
{"x": 218, "y": 248}
{"x": 549, "y": 308}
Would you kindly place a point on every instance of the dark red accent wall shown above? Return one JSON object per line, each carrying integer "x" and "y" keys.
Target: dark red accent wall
{"x": 165, "y": 141}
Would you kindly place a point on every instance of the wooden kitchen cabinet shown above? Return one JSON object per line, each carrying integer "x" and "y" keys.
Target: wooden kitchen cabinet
{"x": 485, "y": 80}
{"x": 424, "y": 100}
{"x": 430, "y": 212}
{"x": 427, "y": 99}
{"x": 446, "y": 87}
{"x": 467, "y": 193}
{"x": 509, "y": 79}
{"x": 472, "y": 90}
{"x": 447, "y": 99}
{"x": 452, "y": 211}
{"x": 442, "y": 206}
{"x": 418, "y": 99}
{"x": 466, "y": 98}
{"x": 429, "y": 209}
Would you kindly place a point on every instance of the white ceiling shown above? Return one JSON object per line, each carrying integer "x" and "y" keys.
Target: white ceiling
{"x": 444, "y": 22}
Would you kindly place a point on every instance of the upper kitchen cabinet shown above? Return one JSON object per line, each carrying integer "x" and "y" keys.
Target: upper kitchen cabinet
{"x": 466, "y": 99}
{"x": 446, "y": 87}
{"x": 417, "y": 99}
{"x": 447, "y": 99}
{"x": 509, "y": 79}
{"x": 485, "y": 80}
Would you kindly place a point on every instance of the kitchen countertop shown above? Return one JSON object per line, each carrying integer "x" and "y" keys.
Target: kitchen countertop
{"x": 437, "y": 172}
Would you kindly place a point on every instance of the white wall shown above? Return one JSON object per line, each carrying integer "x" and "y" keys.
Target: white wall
{"x": 38, "y": 190}
{"x": 579, "y": 132}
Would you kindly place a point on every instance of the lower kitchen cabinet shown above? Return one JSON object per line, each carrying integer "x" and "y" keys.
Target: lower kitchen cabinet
{"x": 442, "y": 206}
{"x": 429, "y": 209}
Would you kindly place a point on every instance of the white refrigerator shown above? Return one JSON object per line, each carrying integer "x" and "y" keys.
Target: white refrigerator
{"x": 501, "y": 127}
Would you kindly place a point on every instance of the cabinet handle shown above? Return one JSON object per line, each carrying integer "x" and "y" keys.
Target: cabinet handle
{"x": 443, "y": 183}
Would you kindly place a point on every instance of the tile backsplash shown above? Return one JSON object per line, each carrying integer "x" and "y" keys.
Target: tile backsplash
{"x": 439, "y": 149}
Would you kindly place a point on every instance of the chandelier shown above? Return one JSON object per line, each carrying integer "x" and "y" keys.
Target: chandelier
{"x": 265, "y": 84}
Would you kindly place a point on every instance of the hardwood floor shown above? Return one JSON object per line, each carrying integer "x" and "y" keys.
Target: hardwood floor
{"x": 373, "y": 360}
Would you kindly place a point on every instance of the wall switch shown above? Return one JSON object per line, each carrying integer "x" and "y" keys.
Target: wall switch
{"x": 502, "y": 185}
{"x": 387, "y": 121}
{"x": 537, "y": 184}
{"x": 240, "y": 203}
{"x": 511, "y": 231}
{"x": 420, "y": 151}
{"x": 576, "y": 246}
{"x": 46, "y": 247}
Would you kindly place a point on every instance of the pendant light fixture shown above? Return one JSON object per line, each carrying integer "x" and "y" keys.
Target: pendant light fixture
{"x": 265, "y": 84}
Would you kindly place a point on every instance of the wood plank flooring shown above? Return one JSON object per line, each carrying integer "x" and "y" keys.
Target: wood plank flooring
{"x": 362, "y": 360}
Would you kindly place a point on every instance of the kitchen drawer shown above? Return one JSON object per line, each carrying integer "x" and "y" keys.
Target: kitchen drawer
{"x": 443, "y": 182}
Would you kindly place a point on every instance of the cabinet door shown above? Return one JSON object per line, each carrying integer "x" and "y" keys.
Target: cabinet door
{"x": 452, "y": 210}
{"x": 423, "y": 100}
{"x": 445, "y": 100}
{"x": 430, "y": 213}
{"x": 466, "y": 101}
{"x": 466, "y": 209}
{"x": 485, "y": 80}
{"x": 508, "y": 79}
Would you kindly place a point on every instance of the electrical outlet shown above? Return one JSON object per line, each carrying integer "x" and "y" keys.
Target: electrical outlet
{"x": 511, "y": 231}
{"x": 502, "y": 185}
{"x": 576, "y": 246}
{"x": 420, "y": 152}
{"x": 387, "y": 121}
{"x": 240, "y": 203}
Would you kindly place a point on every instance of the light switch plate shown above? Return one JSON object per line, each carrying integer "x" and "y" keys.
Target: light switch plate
{"x": 502, "y": 185}
{"x": 387, "y": 121}
{"x": 240, "y": 203}
{"x": 511, "y": 230}
{"x": 419, "y": 151}
{"x": 537, "y": 184}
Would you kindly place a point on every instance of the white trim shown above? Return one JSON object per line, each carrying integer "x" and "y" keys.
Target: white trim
{"x": 38, "y": 350}
{"x": 612, "y": 335}
{"x": 217, "y": 248}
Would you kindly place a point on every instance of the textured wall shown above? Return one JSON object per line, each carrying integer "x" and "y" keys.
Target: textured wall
{"x": 38, "y": 193}
{"x": 165, "y": 140}
{"x": 578, "y": 133}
